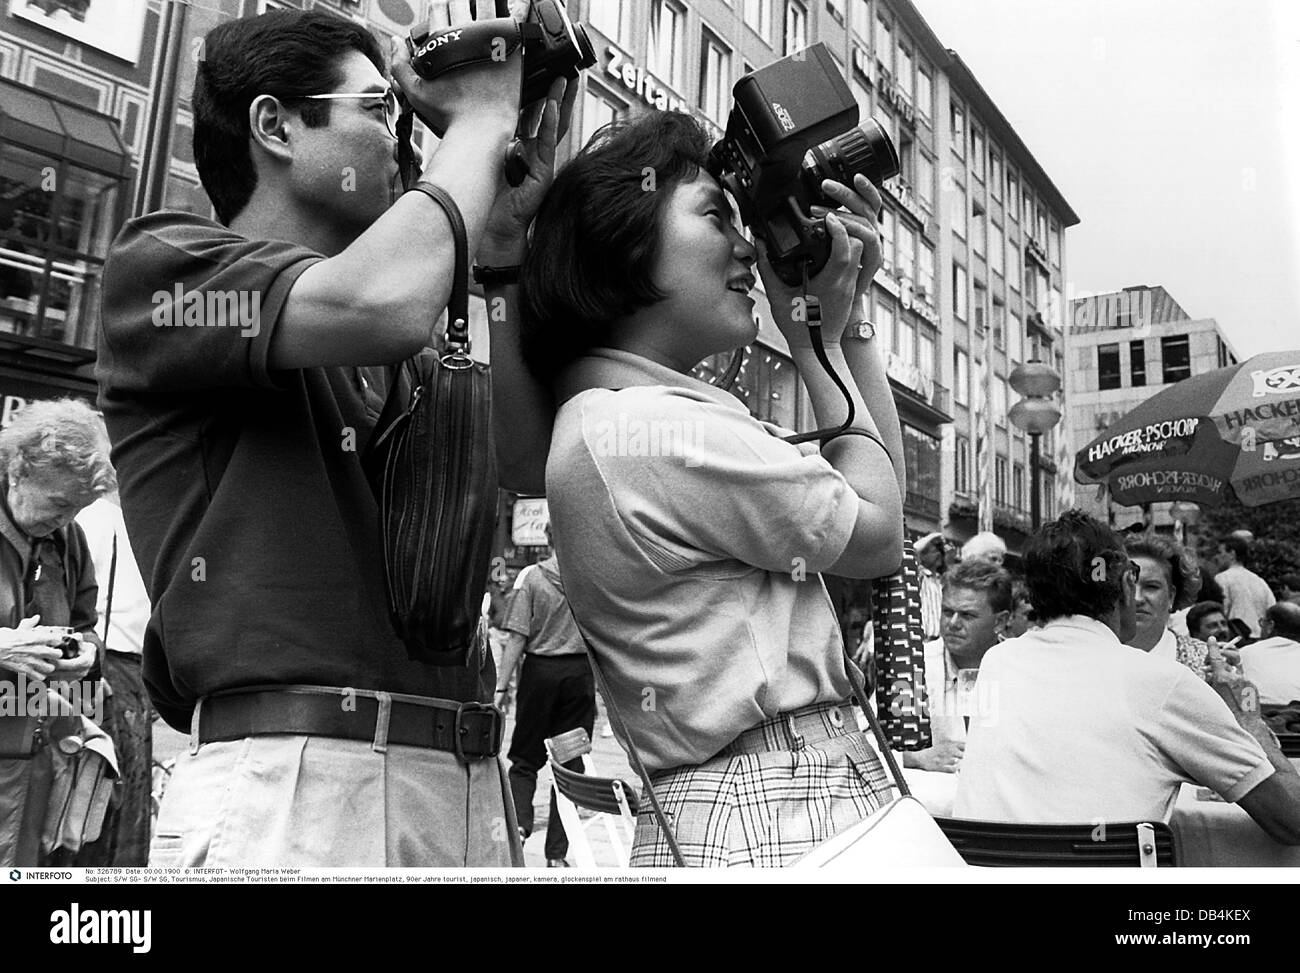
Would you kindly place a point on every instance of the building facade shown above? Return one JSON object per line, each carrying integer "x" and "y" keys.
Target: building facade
{"x": 973, "y": 229}
{"x": 1123, "y": 348}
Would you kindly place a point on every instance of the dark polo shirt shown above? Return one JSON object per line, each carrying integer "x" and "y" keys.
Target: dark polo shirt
{"x": 255, "y": 529}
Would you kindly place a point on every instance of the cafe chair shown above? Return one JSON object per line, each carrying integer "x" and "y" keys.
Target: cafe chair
{"x": 999, "y": 844}
{"x": 612, "y": 800}
{"x": 1290, "y": 744}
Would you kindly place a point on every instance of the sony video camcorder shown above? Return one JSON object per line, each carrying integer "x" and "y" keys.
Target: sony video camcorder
{"x": 794, "y": 124}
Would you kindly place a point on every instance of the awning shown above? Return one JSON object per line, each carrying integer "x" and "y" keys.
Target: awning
{"x": 62, "y": 130}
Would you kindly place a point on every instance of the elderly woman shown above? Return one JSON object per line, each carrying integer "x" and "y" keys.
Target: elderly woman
{"x": 1169, "y": 581}
{"x": 690, "y": 535}
{"x": 53, "y": 461}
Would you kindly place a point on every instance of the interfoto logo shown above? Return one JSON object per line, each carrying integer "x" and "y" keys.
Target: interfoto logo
{"x": 74, "y": 927}
{"x": 181, "y": 308}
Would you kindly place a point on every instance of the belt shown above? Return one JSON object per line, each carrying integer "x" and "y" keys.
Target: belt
{"x": 472, "y": 731}
{"x": 795, "y": 730}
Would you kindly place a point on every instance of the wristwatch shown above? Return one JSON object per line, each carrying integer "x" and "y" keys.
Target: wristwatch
{"x": 861, "y": 329}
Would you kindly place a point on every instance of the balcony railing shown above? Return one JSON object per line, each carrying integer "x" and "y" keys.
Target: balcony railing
{"x": 922, "y": 505}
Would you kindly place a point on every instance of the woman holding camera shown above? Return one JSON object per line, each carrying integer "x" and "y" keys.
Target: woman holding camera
{"x": 690, "y": 535}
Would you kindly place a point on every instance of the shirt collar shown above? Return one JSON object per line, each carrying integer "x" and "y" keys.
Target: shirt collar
{"x": 613, "y": 368}
{"x": 1167, "y": 647}
{"x": 1062, "y": 628}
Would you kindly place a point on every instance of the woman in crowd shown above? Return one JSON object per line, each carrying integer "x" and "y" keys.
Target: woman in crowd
{"x": 689, "y": 535}
{"x": 1169, "y": 581}
{"x": 53, "y": 461}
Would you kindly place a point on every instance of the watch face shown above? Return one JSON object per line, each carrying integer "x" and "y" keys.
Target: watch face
{"x": 863, "y": 329}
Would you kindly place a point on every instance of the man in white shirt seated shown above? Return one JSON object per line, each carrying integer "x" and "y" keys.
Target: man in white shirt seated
{"x": 976, "y": 612}
{"x": 1087, "y": 729}
{"x": 1273, "y": 663}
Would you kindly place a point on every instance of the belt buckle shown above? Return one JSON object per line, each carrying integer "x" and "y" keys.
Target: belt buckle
{"x": 459, "y": 731}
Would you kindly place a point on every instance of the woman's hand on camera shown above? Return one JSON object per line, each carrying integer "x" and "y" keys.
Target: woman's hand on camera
{"x": 839, "y": 286}
{"x": 506, "y": 236}
{"x": 30, "y": 651}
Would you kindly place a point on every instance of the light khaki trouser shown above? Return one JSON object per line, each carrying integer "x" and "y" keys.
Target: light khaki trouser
{"x": 306, "y": 801}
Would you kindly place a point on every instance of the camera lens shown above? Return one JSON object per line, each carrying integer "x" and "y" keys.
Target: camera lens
{"x": 866, "y": 149}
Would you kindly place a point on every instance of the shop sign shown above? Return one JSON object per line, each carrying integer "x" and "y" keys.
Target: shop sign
{"x": 528, "y": 522}
{"x": 911, "y": 302}
{"x": 638, "y": 81}
{"x": 16, "y": 393}
{"x": 902, "y": 194}
{"x": 910, "y": 374}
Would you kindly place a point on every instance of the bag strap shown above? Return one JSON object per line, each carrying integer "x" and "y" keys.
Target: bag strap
{"x": 112, "y": 578}
{"x": 860, "y": 691}
{"x": 616, "y": 718}
{"x": 457, "y": 334}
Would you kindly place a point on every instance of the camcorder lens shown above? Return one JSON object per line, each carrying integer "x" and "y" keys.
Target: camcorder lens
{"x": 866, "y": 149}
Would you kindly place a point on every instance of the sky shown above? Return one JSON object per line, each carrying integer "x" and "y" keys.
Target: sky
{"x": 1163, "y": 123}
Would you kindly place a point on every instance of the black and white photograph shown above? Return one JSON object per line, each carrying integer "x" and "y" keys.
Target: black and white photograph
{"x": 651, "y": 442}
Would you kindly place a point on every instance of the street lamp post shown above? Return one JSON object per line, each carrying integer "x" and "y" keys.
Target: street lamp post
{"x": 1035, "y": 413}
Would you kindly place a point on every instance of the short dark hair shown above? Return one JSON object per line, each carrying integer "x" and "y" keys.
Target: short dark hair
{"x": 1061, "y": 558}
{"x": 1290, "y": 581}
{"x": 285, "y": 53}
{"x": 597, "y": 234}
{"x": 1238, "y": 546}
{"x": 985, "y": 576}
{"x": 1199, "y": 612}
{"x": 1285, "y": 618}
{"x": 1183, "y": 570}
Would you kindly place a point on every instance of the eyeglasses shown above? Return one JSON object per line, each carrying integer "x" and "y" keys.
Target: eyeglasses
{"x": 392, "y": 110}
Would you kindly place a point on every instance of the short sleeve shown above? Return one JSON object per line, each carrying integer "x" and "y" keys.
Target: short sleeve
{"x": 1203, "y": 738}
{"x": 697, "y": 481}
{"x": 519, "y": 616}
{"x": 189, "y": 304}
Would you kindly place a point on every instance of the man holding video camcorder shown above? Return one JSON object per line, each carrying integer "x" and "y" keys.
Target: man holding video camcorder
{"x": 243, "y": 368}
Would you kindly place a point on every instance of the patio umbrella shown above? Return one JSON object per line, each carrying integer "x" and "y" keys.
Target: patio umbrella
{"x": 1236, "y": 427}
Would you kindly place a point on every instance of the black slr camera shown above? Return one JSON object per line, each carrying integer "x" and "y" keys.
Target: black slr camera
{"x": 554, "y": 46}
{"x": 795, "y": 123}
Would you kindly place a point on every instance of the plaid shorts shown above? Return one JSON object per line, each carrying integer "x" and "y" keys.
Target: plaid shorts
{"x": 770, "y": 796}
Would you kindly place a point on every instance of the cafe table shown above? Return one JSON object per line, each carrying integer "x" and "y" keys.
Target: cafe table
{"x": 1208, "y": 832}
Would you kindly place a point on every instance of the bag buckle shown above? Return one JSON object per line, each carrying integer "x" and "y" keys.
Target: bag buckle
{"x": 461, "y": 733}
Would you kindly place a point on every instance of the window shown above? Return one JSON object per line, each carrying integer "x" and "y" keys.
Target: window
{"x": 959, "y": 291}
{"x": 887, "y": 224}
{"x": 1040, "y": 233}
{"x": 925, "y": 272}
{"x": 957, "y": 120}
{"x": 1175, "y": 358}
{"x": 1013, "y": 196}
{"x": 1018, "y": 486}
{"x": 961, "y": 464}
{"x": 1013, "y": 266}
{"x": 715, "y": 75}
{"x": 980, "y": 303}
{"x": 1000, "y": 400}
{"x": 758, "y": 14}
{"x": 925, "y": 180}
{"x": 924, "y": 93}
{"x": 1137, "y": 362}
{"x": 861, "y": 96}
{"x": 995, "y": 174}
{"x": 861, "y": 14}
{"x": 833, "y": 8}
{"x": 1054, "y": 246}
{"x": 960, "y": 377}
{"x": 667, "y": 22}
{"x": 1015, "y": 337}
{"x": 979, "y": 230}
{"x": 1000, "y": 480}
{"x": 997, "y": 255}
{"x": 999, "y": 325}
{"x": 957, "y": 212}
{"x": 884, "y": 44}
{"x": 906, "y": 252}
{"x": 885, "y": 322}
{"x": 608, "y": 17}
{"x": 1108, "y": 374}
{"x": 905, "y": 339}
{"x": 905, "y": 74}
{"x": 906, "y": 156}
{"x": 977, "y": 152}
{"x": 925, "y": 353}
{"x": 922, "y": 463}
{"x": 596, "y": 111}
{"x": 796, "y": 27}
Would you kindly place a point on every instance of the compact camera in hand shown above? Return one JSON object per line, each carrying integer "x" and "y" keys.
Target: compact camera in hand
{"x": 795, "y": 123}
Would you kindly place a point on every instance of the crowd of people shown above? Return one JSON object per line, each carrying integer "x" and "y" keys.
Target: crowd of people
{"x": 691, "y": 576}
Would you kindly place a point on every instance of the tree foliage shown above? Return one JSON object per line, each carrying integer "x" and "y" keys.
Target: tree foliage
{"x": 1276, "y": 527}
